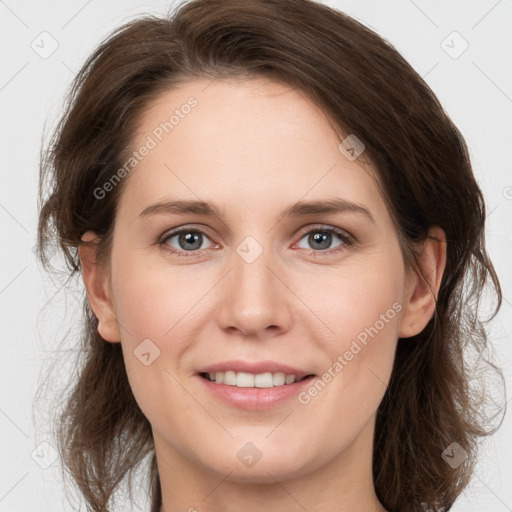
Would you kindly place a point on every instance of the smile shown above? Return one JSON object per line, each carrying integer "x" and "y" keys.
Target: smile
{"x": 250, "y": 380}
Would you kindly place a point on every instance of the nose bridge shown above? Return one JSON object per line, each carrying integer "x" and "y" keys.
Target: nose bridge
{"x": 254, "y": 299}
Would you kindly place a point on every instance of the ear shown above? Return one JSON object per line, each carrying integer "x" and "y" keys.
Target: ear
{"x": 422, "y": 284}
{"x": 97, "y": 285}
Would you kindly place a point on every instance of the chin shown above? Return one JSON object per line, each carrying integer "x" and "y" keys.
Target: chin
{"x": 266, "y": 470}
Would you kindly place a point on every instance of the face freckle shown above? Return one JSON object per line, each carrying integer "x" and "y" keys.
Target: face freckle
{"x": 269, "y": 284}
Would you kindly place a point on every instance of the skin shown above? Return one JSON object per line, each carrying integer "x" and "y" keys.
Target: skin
{"x": 253, "y": 148}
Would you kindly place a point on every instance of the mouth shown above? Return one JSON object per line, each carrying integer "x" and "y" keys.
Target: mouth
{"x": 250, "y": 380}
{"x": 251, "y": 385}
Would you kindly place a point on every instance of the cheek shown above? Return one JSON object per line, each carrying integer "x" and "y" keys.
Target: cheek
{"x": 349, "y": 302}
{"x": 362, "y": 309}
{"x": 159, "y": 312}
{"x": 373, "y": 325}
{"x": 155, "y": 302}
{"x": 369, "y": 311}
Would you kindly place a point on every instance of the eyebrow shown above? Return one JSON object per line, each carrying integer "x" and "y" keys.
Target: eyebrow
{"x": 298, "y": 209}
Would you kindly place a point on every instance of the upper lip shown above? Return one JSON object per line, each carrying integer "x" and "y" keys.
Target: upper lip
{"x": 254, "y": 367}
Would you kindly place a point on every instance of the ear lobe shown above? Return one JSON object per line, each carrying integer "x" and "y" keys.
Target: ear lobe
{"x": 97, "y": 285}
{"x": 423, "y": 284}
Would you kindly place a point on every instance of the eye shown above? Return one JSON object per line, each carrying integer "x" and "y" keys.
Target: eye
{"x": 185, "y": 240}
{"x": 321, "y": 238}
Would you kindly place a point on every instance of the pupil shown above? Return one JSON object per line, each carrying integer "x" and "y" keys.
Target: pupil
{"x": 190, "y": 241}
{"x": 321, "y": 238}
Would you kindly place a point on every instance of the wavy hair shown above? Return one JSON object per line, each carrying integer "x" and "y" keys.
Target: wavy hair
{"x": 421, "y": 162}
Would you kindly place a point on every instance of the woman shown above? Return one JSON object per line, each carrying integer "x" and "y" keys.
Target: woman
{"x": 282, "y": 243}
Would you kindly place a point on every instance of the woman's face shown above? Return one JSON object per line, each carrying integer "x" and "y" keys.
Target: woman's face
{"x": 294, "y": 268}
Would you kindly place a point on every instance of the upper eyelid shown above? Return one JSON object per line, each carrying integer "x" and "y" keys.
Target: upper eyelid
{"x": 176, "y": 231}
{"x": 325, "y": 227}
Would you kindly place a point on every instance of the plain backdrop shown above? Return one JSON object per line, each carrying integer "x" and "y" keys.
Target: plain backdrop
{"x": 462, "y": 48}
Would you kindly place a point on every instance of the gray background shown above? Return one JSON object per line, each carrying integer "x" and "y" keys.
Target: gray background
{"x": 475, "y": 87}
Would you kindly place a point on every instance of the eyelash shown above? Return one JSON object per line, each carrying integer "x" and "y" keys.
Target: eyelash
{"x": 346, "y": 239}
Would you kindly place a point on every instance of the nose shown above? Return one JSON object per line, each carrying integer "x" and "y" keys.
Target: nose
{"x": 255, "y": 302}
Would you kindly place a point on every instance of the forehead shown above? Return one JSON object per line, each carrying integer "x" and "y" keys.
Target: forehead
{"x": 241, "y": 141}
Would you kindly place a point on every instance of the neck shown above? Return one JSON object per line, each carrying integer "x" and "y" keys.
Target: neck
{"x": 343, "y": 484}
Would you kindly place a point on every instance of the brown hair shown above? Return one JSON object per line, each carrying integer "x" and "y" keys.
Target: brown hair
{"x": 422, "y": 163}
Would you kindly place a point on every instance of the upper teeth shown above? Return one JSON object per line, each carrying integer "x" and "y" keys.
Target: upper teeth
{"x": 249, "y": 380}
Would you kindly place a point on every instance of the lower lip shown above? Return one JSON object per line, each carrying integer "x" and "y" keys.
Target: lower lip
{"x": 255, "y": 398}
